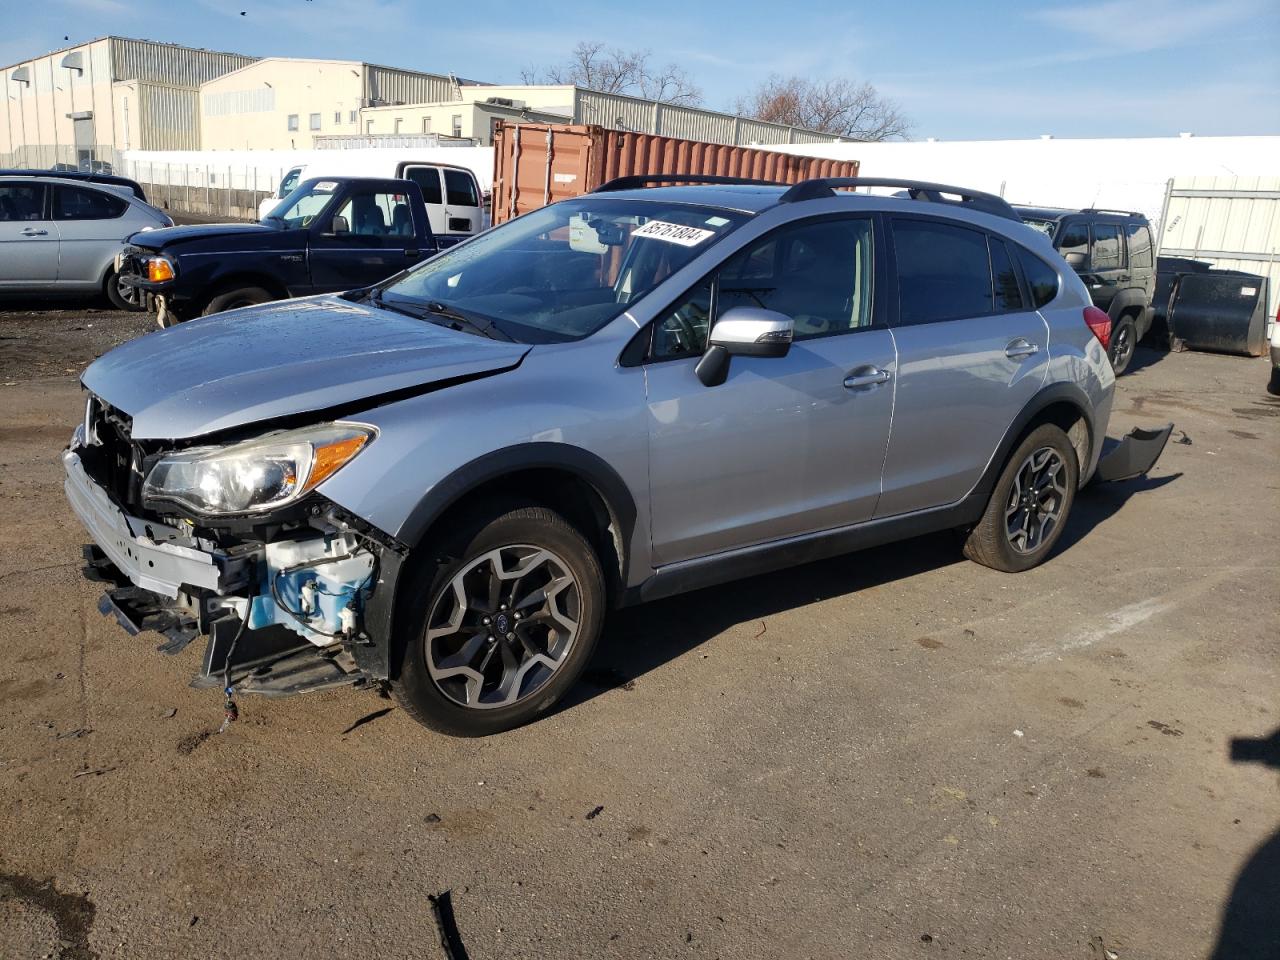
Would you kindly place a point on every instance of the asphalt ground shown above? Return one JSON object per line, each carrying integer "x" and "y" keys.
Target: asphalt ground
{"x": 896, "y": 754}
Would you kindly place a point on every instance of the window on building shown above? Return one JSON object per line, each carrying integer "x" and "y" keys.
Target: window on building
{"x": 426, "y": 124}
{"x": 315, "y": 121}
{"x": 398, "y": 122}
{"x": 337, "y": 118}
{"x": 351, "y": 118}
{"x": 293, "y": 121}
{"x": 368, "y": 126}
{"x": 457, "y": 124}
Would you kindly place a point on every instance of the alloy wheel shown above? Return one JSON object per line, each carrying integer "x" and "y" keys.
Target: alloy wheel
{"x": 502, "y": 626}
{"x": 1035, "y": 503}
{"x": 1122, "y": 349}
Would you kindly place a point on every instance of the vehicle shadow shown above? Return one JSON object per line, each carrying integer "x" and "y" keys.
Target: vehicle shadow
{"x": 1250, "y": 928}
{"x": 1146, "y": 354}
{"x": 643, "y": 638}
{"x": 18, "y": 303}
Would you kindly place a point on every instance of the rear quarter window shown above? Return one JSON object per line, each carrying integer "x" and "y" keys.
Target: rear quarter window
{"x": 1042, "y": 279}
{"x": 1139, "y": 245}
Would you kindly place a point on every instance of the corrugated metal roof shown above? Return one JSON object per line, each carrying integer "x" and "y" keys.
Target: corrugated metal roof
{"x": 170, "y": 63}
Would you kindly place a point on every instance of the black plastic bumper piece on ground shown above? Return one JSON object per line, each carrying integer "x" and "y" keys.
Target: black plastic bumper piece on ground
{"x": 1136, "y": 453}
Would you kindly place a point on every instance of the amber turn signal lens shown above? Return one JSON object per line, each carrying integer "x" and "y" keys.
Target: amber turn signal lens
{"x": 159, "y": 270}
{"x": 333, "y": 455}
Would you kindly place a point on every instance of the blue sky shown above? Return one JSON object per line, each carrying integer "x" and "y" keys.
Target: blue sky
{"x": 960, "y": 71}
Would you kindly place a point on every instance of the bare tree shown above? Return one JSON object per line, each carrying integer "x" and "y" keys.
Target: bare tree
{"x": 595, "y": 65}
{"x": 838, "y": 106}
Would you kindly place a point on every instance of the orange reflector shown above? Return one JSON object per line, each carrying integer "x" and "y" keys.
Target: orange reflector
{"x": 159, "y": 270}
{"x": 330, "y": 457}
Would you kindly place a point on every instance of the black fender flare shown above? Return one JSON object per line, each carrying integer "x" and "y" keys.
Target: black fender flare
{"x": 1126, "y": 299}
{"x": 583, "y": 464}
{"x": 1054, "y": 393}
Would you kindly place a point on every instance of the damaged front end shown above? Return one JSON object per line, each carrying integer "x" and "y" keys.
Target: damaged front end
{"x": 231, "y": 543}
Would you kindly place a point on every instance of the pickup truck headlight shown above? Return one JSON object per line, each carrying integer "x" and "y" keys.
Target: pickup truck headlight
{"x": 256, "y": 475}
{"x": 160, "y": 269}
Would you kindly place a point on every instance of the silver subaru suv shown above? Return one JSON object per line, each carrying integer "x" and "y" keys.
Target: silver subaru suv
{"x": 442, "y": 483}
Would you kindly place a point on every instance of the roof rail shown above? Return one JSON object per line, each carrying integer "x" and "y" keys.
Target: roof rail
{"x": 645, "y": 179}
{"x": 1123, "y": 213}
{"x": 916, "y": 189}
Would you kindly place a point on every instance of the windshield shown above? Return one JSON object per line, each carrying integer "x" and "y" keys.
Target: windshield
{"x": 304, "y": 204}
{"x": 563, "y": 272}
{"x": 1044, "y": 226}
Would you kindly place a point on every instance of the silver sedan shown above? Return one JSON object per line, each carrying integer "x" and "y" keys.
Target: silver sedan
{"x": 62, "y": 236}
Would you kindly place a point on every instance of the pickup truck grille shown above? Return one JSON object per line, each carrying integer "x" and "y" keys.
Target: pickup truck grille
{"x": 115, "y": 461}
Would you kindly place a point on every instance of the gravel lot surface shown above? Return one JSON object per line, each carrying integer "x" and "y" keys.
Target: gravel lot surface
{"x": 897, "y": 754}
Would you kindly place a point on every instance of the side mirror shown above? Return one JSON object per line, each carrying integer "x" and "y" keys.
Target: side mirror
{"x": 339, "y": 226}
{"x": 1075, "y": 260}
{"x": 744, "y": 332}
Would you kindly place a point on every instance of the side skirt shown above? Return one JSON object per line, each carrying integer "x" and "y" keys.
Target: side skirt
{"x": 743, "y": 562}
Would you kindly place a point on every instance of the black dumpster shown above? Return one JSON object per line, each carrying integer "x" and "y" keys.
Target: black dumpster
{"x": 1222, "y": 310}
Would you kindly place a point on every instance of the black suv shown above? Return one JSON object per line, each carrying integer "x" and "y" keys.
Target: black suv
{"x": 1113, "y": 253}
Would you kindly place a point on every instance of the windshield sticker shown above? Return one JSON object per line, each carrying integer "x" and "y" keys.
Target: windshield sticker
{"x": 673, "y": 233}
{"x": 326, "y": 186}
{"x": 717, "y": 221}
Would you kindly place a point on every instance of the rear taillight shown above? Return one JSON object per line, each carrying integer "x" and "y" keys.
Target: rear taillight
{"x": 1100, "y": 324}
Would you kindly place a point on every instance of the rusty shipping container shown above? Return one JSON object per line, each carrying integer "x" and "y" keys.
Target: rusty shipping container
{"x": 539, "y": 163}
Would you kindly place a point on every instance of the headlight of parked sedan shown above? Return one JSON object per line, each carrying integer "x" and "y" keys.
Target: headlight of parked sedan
{"x": 256, "y": 475}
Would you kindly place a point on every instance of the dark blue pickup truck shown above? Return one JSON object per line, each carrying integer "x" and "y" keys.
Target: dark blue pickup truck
{"x": 329, "y": 234}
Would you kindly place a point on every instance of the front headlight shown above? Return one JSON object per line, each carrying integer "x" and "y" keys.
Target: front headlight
{"x": 256, "y": 475}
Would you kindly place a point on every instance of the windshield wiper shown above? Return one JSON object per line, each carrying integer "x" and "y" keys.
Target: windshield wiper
{"x": 474, "y": 322}
{"x": 375, "y": 297}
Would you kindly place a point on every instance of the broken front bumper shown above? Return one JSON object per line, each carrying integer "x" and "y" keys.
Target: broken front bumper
{"x": 297, "y": 637}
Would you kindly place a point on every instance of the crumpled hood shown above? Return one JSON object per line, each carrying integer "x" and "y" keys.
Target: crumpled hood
{"x": 280, "y": 359}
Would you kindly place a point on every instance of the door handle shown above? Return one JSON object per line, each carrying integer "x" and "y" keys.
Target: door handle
{"x": 32, "y": 232}
{"x": 1020, "y": 349}
{"x": 871, "y": 378}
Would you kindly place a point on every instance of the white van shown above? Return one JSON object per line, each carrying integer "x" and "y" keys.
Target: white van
{"x": 455, "y": 202}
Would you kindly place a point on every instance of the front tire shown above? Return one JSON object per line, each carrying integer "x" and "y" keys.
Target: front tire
{"x": 503, "y": 628}
{"x": 234, "y": 299}
{"x": 1029, "y": 506}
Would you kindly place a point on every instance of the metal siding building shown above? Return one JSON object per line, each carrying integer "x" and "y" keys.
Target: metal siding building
{"x": 638, "y": 115}
{"x": 389, "y": 85}
{"x": 87, "y": 102}
{"x": 1231, "y": 222}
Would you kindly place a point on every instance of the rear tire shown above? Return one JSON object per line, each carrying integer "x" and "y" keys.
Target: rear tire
{"x": 1124, "y": 339}
{"x": 123, "y": 297}
{"x": 501, "y": 629}
{"x": 240, "y": 297}
{"x": 1030, "y": 504}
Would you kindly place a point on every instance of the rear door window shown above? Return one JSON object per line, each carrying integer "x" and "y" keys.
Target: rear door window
{"x": 21, "y": 202}
{"x": 1105, "y": 254}
{"x": 460, "y": 189}
{"x": 1139, "y": 245}
{"x": 944, "y": 271}
{"x": 78, "y": 203}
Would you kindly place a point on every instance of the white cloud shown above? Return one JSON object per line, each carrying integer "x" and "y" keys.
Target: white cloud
{"x": 1145, "y": 25}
